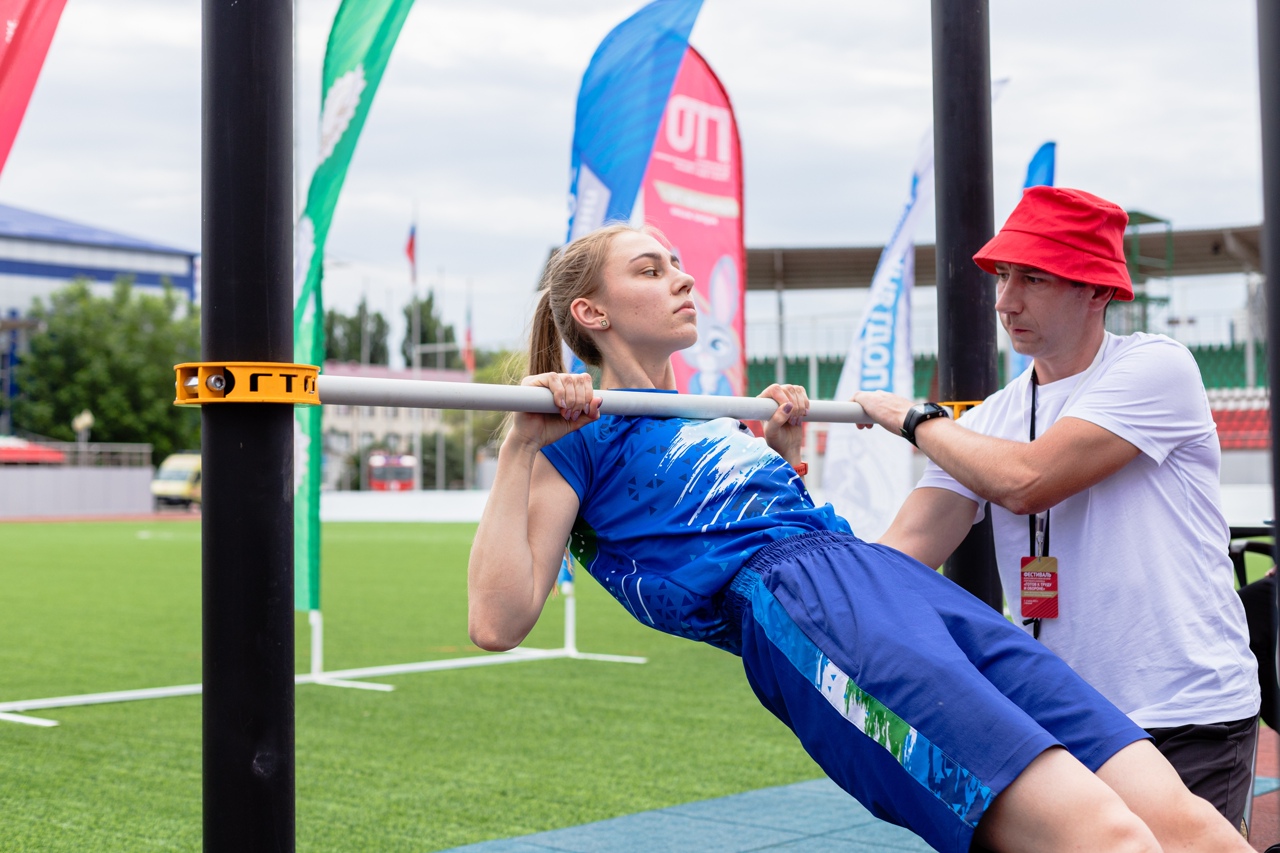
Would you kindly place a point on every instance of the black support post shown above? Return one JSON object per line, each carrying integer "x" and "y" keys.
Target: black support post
{"x": 1269, "y": 90}
{"x": 1269, "y": 86}
{"x": 247, "y": 528}
{"x": 965, "y": 221}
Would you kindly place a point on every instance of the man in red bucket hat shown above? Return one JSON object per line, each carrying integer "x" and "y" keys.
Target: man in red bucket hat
{"x": 1100, "y": 467}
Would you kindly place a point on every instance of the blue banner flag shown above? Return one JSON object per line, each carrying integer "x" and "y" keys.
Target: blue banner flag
{"x": 620, "y": 106}
{"x": 867, "y": 475}
{"x": 1039, "y": 174}
{"x": 1040, "y": 170}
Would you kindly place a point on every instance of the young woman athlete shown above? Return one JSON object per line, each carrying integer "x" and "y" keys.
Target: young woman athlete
{"x": 919, "y": 700}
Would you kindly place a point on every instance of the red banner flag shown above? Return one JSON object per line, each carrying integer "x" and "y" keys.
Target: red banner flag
{"x": 28, "y": 31}
{"x": 693, "y": 194}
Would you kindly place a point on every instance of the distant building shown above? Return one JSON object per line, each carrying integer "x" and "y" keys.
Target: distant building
{"x": 351, "y": 431}
{"x": 40, "y": 254}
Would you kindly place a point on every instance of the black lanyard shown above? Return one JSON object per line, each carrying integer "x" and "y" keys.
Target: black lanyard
{"x": 1031, "y": 519}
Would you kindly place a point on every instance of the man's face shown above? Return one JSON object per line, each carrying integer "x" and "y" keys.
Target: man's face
{"x": 1045, "y": 316}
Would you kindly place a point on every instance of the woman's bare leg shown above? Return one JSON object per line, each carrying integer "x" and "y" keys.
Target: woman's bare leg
{"x": 1057, "y": 804}
{"x": 1181, "y": 821}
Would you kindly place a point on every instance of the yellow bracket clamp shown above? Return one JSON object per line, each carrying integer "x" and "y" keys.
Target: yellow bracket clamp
{"x": 958, "y": 408}
{"x": 246, "y": 382}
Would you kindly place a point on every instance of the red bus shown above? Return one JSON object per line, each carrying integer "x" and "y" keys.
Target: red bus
{"x": 389, "y": 472}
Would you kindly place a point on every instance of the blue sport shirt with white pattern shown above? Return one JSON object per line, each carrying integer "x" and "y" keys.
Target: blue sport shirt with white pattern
{"x": 671, "y": 509}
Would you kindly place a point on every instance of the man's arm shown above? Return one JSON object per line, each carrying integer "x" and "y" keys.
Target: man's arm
{"x": 930, "y": 525}
{"x": 1022, "y": 477}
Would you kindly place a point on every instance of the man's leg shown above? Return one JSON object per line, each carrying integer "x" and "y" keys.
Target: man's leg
{"x": 1215, "y": 762}
{"x": 1181, "y": 821}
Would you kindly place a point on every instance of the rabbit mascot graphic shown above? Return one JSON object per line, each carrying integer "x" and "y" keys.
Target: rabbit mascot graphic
{"x": 718, "y": 352}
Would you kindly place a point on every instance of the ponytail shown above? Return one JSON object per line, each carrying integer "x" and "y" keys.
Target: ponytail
{"x": 574, "y": 272}
{"x": 544, "y": 340}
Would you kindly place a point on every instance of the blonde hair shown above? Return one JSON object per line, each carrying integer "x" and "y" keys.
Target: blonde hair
{"x": 574, "y": 272}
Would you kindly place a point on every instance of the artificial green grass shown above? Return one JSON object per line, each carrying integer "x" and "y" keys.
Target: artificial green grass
{"x": 448, "y": 759}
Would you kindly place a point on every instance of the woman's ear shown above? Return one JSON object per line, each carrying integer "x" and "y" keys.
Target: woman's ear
{"x": 586, "y": 314}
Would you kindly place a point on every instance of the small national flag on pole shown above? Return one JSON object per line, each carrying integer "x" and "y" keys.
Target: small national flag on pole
{"x": 411, "y": 251}
{"x": 468, "y": 351}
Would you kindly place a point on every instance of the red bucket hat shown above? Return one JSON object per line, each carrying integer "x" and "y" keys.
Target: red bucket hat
{"x": 1070, "y": 233}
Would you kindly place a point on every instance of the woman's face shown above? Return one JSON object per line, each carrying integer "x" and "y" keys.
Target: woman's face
{"x": 646, "y": 297}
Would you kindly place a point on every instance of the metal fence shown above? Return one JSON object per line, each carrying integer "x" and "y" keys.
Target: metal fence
{"x": 95, "y": 454}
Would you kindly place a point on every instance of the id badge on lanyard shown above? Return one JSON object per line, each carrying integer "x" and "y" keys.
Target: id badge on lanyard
{"x": 1039, "y": 578}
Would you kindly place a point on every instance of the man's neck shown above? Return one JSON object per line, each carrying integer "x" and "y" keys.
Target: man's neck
{"x": 1051, "y": 369}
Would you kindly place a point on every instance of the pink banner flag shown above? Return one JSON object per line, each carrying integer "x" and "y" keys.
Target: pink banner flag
{"x": 28, "y": 31}
{"x": 692, "y": 192}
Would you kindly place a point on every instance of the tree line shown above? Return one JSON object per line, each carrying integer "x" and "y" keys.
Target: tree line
{"x": 114, "y": 356}
{"x": 362, "y": 337}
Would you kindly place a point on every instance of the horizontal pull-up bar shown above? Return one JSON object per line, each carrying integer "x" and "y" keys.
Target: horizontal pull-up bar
{"x": 270, "y": 382}
{"x": 409, "y": 393}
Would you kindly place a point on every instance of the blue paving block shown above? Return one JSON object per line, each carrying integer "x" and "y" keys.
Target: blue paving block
{"x": 659, "y": 832}
{"x": 808, "y": 808}
{"x": 807, "y": 817}
{"x": 885, "y": 836}
{"x": 829, "y": 844}
{"x": 506, "y": 845}
{"x": 1264, "y": 785}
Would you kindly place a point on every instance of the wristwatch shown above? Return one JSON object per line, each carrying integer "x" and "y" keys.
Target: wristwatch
{"x": 918, "y": 414}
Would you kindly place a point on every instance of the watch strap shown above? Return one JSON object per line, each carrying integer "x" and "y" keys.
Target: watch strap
{"x": 917, "y": 415}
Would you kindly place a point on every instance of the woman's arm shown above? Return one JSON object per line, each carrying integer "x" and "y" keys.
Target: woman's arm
{"x": 526, "y": 521}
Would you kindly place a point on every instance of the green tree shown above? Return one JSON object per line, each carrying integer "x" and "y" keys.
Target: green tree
{"x": 493, "y": 367}
{"x": 360, "y": 338}
{"x": 434, "y": 331}
{"x": 113, "y": 356}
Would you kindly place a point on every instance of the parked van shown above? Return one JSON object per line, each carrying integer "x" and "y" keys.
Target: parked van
{"x": 177, "y": 483}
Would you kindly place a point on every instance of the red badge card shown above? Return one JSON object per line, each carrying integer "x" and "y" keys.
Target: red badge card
{"x": 1039, "y": 587}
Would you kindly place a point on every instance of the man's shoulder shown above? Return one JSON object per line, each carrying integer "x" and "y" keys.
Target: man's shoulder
{"x": 1159, "y": 353}
{"x": 1144, "y": 343}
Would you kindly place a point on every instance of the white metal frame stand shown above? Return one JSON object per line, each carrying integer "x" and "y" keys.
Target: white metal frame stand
{"x": 15, "y": 712}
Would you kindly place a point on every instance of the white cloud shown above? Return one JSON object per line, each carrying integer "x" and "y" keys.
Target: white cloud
{"x": 1151, "y": 103}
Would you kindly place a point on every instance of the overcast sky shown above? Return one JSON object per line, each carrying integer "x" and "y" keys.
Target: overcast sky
{"x": 1153, "y": 104}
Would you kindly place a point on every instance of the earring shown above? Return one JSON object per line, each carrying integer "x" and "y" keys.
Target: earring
{"x": 604, "y": 324}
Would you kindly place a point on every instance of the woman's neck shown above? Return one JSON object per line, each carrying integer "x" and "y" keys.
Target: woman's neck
{"x": 632, "y": 374}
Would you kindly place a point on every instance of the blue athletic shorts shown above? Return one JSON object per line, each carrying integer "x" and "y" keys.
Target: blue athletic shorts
{"x": 914, "y": 696}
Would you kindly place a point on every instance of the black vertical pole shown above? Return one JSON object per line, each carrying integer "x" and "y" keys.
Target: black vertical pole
{"x": 1269, "y": 90}
{"x": 965, "y": 221}
{"x": 247, "y": 315}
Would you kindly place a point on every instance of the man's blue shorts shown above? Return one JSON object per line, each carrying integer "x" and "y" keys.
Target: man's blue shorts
{"x": 914, "y": 696}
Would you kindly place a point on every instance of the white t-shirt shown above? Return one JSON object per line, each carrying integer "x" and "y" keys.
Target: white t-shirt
{"x": 1147, "y": 610}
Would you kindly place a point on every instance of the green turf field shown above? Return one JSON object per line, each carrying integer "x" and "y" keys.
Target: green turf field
{"x": 448, "y": 759}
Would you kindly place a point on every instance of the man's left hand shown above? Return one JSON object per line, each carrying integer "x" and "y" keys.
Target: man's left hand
{"x": 887, "y": 410}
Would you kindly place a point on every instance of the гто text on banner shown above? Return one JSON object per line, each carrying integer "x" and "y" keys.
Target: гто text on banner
{"x": 866, "y": 475}
{"x": 29, "y": 28}
{"x": 693, "y": 194}
{"x": 360, "y": 43}
{"x": 621, "y": 102}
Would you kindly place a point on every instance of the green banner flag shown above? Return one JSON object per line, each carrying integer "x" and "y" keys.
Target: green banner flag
{"x": 364, "y": 31}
